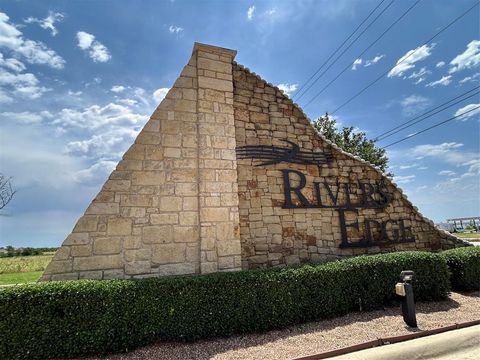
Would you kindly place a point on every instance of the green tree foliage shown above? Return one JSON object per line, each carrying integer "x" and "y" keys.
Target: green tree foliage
{"x": 464, "y": 268}
{"x": 354, "y": 142}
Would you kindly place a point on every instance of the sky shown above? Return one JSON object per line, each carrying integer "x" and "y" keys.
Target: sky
{"x": 78, "y": 79}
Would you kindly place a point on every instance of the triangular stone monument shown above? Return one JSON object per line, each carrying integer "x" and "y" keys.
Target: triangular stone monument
{"x": 227, "y": 174}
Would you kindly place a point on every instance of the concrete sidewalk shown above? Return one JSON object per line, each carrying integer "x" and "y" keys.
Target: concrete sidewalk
{"x": 459, "y": 344}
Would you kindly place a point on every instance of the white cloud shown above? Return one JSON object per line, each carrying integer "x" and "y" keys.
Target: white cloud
{"x": 450, "y": 153}
{"x": 469, "y": 79}
{"x": 404, "y": 179}
{"x": 440, "y": 64}
{"x": 48, "y": 22}
{"x": 96, "y": 173}
{"x": 463, "y": 182}
{"x": 368, "y": 62}
{"x": 117, "y": 88}
{"x": 447, "y": 173}
{"x": 95, "y": 117}
{"x": 444, "y": 81}
{"x": 159, "y": 94}
{"x": 473, "y": 168}
{"x": 470, "y": 58}
{"x": 30, "y": 92}
{"x": 106, "y": 131}
{"x": 413, "y": 104}
{"x": 404, "y": 167}
{"x": 85, "y": 40}
{"x": 99, "y": 132}
{"x": 407, "y": 61}
{"x": 288, "y": 89}
{"x": 111, "y": 143}
{"x": 436, "y": 150}
{"x": 420, "y": 75}
{"x": 470, "y": 108}
{"x": 34, "y": 52}
{"x": 250, "y": 12}
{"x": 356, "y": 63}
{"x": 8, "y": 78}
{"x": 99, "y": 53}
{"x": 96, "y": 50}
{"x": 374, "y": 60}
{"x": 23, "y": 85}
{"x": 175, "y": 29}
{"x": 12, "y": 64}
{"x": 23, "y": 117}
{"x": 128, "y": 102}
{"x": 74, "y": 93}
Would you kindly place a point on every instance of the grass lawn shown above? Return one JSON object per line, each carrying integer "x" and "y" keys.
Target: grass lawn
{"x": 22, "y": 269}
{"x": 20, "y": 277}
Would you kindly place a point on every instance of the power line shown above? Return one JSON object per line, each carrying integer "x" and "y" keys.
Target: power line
{"x": 426, "y": 117}
{"x": 363, "y": 52}
{"x": 431, "y": 127}
{"x": 422, "y": 117}
{"x": 348, "y": 47}
{"x": 338, "y": 48}
{"x": 426, "y": 112}
{"x": 413, "y": 52}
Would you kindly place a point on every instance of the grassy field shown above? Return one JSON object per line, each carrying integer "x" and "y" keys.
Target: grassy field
{"x": 21, "y": 269}
{"x": 468, "y": 235}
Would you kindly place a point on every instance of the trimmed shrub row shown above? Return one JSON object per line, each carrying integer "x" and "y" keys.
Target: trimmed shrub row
{"x": 67, "y": 319}
{"x": 464, "y": 267}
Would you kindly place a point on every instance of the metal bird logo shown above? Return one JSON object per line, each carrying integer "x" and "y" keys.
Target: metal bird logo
{"x": 275, "y": 155}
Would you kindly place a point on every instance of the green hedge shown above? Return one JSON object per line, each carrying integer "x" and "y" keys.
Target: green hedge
{"x": 464, "y": 267}
{"x": 67, "y": 319}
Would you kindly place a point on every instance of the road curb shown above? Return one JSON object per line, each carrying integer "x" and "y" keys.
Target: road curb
{"x": 388, "y": 341}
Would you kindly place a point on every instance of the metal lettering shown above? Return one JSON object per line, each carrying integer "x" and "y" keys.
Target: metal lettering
{"x": 288, "y": 189}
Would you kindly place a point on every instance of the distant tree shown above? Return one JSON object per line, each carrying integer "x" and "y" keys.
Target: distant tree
{"x": 10, "y": 250}
{"x": 471, "y": 226}
{"x": 352, "y": 141}
{"x": 6, "y": 191}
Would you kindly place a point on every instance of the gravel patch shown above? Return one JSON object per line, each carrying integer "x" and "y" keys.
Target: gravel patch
{"x": 319, "y": 336}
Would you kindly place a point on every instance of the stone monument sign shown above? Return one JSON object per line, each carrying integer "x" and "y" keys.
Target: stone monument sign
{"x": 229, "y": 174}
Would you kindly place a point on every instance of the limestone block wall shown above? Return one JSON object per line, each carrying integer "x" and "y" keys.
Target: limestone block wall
{"x": 272, "y": 235}
{"x": 171, "y": 205}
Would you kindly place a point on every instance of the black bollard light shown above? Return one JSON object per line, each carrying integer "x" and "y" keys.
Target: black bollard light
{"x": 405, "y": 290}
